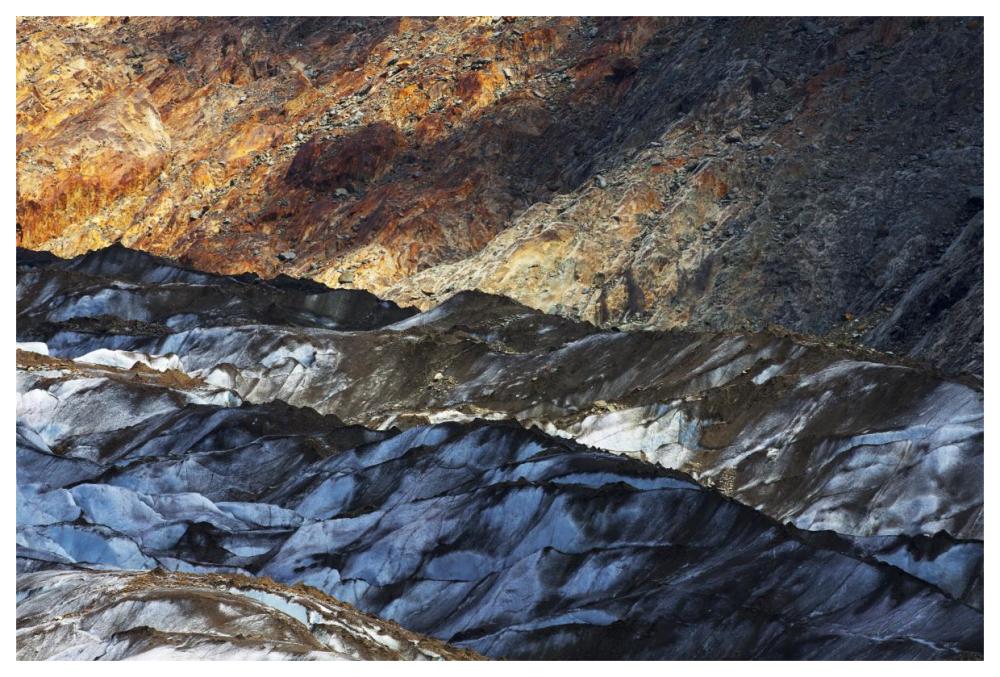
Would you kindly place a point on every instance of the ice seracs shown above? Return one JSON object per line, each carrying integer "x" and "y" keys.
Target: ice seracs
{"x": 498, "y": 478}
{"x": 485, "y": 535}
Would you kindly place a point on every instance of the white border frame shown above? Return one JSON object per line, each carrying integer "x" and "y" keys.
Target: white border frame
{"x": 508, "y": 7}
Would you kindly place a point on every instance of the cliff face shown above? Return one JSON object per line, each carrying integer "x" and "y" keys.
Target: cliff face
{"x": 823, "y": 175}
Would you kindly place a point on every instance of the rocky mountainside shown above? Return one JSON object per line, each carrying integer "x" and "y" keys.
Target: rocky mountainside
{"x": 821, "y": 175}
{"x": 510, "y": 482}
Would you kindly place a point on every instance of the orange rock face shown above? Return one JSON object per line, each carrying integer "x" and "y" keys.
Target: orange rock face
{"x": 667, "y": 172}
{"x": 186, "y": 136}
